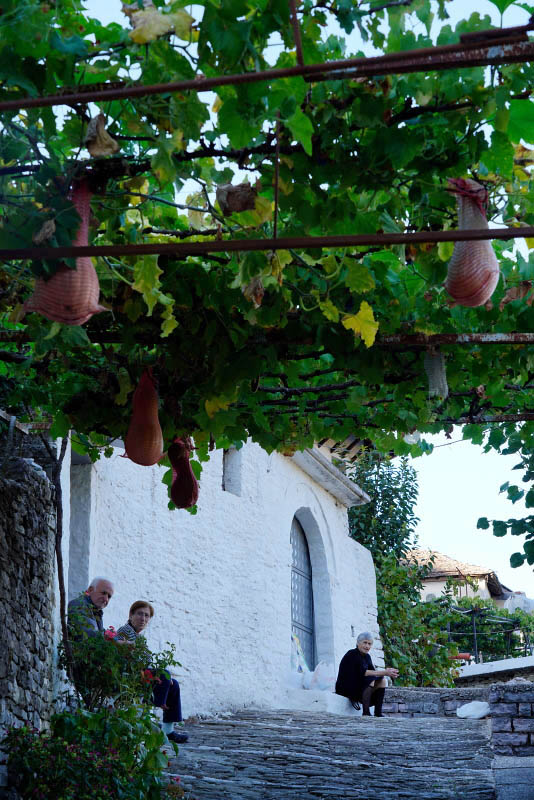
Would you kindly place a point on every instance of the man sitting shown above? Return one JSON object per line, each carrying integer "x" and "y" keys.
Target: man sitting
{"x": 86, "y": 611}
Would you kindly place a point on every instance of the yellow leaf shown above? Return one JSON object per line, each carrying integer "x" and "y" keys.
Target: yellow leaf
{"x": 169, "y": 322}
{"x": 217, "y": 104}
{"x": 278, "y": 260}
{"x": 284, "y": 257}
{"x": 182, "y": 24}
{"x": 146, "y": 280}
{"x": 530, "y": 243}
{"x": 329, "y": 263}
{"x": 216, "y": 404}
{"x": 196, "y": 218}
{"x": 285, "y": 186}
{"x": 177, "y": 139}
{"x": 329, "y": 310}
{"x": 363, "y": 323}
{"x": 263, "y": 210}
{"x": 310, "y": 260}
{"x": 149, "y": 23}
{"x": 136, "y": 183}
{"x": 141, "y": 188}
{"x": 445, "y": 250}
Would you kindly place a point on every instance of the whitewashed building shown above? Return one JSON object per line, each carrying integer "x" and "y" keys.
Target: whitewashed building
{"x": 267, "y": 553}
{"x": 471, "y": 581}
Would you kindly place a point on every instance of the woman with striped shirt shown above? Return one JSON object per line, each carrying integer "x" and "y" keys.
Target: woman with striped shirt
{"x": 167, "y": 690}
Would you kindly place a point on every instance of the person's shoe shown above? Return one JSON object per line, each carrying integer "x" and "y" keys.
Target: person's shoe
{"x": 178, "y": 738}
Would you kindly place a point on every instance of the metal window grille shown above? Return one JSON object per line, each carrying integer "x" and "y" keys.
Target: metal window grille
{"x": 302, "y": 615}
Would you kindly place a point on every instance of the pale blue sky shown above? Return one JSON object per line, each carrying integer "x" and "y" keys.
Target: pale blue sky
{"x": 457, "y": 483}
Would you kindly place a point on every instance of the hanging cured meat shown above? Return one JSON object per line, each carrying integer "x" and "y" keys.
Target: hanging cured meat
{"x": 473, "y": 270}
{"x": 144, "y": 440}
{"x": 184, "y": 488}
{"x": 70, "y": 295}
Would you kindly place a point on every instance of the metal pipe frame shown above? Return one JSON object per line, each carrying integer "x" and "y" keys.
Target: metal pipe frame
{"x": 288, "y": 243}
{"x": 492, "y": 47}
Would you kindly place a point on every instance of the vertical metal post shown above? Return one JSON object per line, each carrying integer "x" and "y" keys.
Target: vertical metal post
{"x": 475, "y": 644}
{"x": 296, "y": 31}
{"x": 276, "y": 176}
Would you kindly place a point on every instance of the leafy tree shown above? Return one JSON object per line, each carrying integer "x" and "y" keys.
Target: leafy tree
{"x": 413, "y": 632}
{"x": 387, "y": 523}
{"x": 518, "y": 441}
{"x": 285, "y": 347}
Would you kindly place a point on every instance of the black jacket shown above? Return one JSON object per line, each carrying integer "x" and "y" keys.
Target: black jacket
{"x": 351, "y": 679}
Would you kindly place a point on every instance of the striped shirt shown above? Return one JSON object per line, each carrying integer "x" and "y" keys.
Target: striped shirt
{"x": 126, "y": 633}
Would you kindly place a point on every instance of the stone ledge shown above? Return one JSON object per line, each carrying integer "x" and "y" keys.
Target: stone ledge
{"x": 493, "y": 671}
{"x": 398, "y": 702}
{"x": 318, "y": 467}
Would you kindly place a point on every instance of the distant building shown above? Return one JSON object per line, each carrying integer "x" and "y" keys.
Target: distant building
{"x": 487, "y": 583}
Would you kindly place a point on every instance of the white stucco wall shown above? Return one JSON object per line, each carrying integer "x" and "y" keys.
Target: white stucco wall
{"x": 220, "y": 581}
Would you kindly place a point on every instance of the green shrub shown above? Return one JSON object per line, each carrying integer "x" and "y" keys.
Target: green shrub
{"x": 109, "y": 753}
{"x": 107, "y": 670}
{"x": 110, "y": 745}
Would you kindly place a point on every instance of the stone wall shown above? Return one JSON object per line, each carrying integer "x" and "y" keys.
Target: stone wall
{"x": 503, "y": 675}
{"x": 27, "y": 525}
{"x": 512, "y": 718}
{"x": 413, "y": 702}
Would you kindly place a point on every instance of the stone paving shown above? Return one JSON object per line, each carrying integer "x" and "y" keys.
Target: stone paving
{"x": 288, "y": 755}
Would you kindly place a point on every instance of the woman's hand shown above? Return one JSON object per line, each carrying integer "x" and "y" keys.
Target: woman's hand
{"x": 391, "y": 672}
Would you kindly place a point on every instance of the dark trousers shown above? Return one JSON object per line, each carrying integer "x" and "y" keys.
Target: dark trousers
{"x": 167, "y": 695}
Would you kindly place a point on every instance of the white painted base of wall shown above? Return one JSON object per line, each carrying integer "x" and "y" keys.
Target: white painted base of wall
{"x": 319, "y": 702}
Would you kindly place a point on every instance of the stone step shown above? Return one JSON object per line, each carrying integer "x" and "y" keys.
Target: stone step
{"x": 288, "y": 755}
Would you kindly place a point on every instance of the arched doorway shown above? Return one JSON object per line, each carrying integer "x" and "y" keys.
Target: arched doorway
{"x": 302, "y": 615}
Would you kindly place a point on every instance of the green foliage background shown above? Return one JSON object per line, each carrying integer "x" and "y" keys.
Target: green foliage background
{"x": 356, "y": 156}
{"x": 413, "y": 632}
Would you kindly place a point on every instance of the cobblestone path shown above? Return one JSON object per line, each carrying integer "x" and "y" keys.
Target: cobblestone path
{"x": 286, "y": 755}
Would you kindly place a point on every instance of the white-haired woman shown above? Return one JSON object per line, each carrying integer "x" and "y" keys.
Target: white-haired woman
{"x": 359, "y": 680}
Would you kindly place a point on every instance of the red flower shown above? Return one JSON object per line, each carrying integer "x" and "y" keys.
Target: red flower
{"x": 147, "y": 675}
{"x": 110, "y": 633}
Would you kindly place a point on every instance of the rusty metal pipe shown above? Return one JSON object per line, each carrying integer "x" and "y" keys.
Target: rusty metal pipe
{"x": 497, "y": 49}
{"x": 422, "y": 340}
{"x": 247, "y": 245}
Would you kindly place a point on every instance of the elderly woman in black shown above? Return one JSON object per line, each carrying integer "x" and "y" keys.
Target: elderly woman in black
{"x": 167, "y": 690}
{"x": 359, "y": 680}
